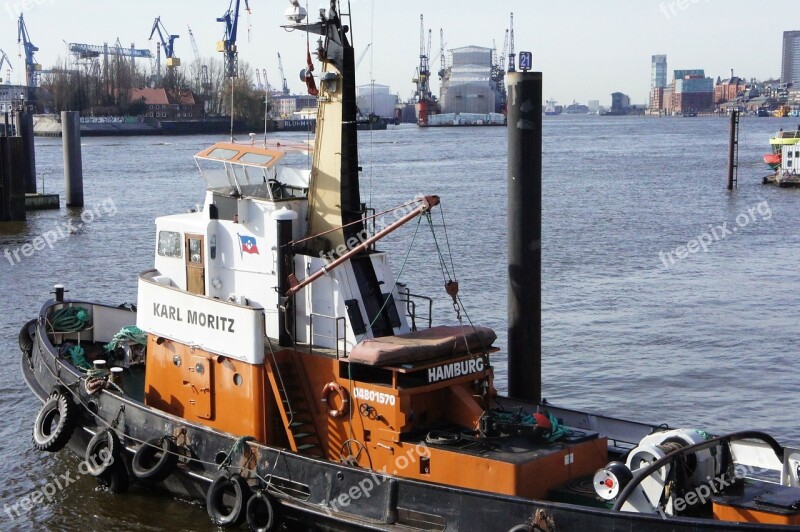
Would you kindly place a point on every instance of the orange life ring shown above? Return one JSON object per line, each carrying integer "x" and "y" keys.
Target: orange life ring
{"x": 343, "y": 396}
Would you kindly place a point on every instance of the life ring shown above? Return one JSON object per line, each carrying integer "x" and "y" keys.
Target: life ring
{"x": 54, "y": 423}
{"x": 102, "y": 452}
{"x": 261, "y": 516}
{"x": 221, "y": 512}
{"x": 155, "y": 460}
{"x": 343, "y": 396}
{"x": 26, "y": 339}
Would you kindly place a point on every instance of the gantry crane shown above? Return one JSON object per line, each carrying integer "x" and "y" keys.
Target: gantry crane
{"x": 286, "y": 90}
{"x": 4, "y": 60}
{"x": 512, "y": 57}
{"x": 32, "y": 68}
{"x": 228, "y": 44}
{"x": 167, "y": 42}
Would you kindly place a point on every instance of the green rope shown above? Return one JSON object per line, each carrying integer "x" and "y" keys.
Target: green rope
{"x": 130, "y": 334}
{"x": 237, "y": 447}
{"x": 78, "y": 358}
{"x": 70, "y": 319}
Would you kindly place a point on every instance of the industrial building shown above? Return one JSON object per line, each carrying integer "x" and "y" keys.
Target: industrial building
{"x": 467, "y": 86}
{"x": 690, "y": 91}
{"x": 377, "y": 100}
{"x": 790, "y": 64}
{"x": 693, "y": 92}
{"x": 287, "y": 106}
{"x": 13, "y": 96}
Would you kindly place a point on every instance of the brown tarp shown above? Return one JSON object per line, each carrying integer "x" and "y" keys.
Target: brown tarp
{"x": 436, "y": 342}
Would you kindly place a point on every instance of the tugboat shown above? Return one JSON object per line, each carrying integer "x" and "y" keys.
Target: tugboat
{"x": 276, "y": 369}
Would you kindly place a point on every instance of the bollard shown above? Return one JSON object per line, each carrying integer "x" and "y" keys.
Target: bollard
{"x": 524, "y": 235}
{"x": 73, "y": 165}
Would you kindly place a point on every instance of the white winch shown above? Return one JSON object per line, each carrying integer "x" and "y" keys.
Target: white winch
{"x": 649, "y": 496}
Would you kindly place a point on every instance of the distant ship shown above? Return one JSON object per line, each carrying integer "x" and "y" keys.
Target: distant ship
{"x": 551, "y": 109}
{"x": 576, "y": 108}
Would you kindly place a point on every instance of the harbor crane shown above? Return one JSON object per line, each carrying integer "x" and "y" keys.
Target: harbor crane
{"x": 228, "y": 44}
{"x": 443, "y": 68}
{"x": 32, "y": 68}
{"x": 422, "y": 78}
{"x": 4, "y": 60}
{"x": 167, "y": 42}
{"x": 505, "y": 52}
{"x": 205, "y": 82}
{"x": 286, "y": 90}
{"x": 512, "y": 56}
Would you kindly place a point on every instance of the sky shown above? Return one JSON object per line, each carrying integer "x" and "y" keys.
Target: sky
{"x": 586, "y": 49}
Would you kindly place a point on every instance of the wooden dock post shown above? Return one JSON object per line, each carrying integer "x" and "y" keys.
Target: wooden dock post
{"x": 73, "y": 164}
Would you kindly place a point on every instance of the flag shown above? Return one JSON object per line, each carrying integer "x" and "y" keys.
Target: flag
{"x": 249, "y": 245}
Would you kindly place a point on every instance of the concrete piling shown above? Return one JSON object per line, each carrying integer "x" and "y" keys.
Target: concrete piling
{"x": 73, "y": 165}
{"x": 25, "y": 132}
{"x": 12, "y": 186}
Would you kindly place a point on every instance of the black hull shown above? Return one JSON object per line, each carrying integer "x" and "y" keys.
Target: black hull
{"x": 304, "y": 484}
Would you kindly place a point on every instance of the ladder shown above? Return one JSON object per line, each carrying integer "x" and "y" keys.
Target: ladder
{"x": 289, "y": 389}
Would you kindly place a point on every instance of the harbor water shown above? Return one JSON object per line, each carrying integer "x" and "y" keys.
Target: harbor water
{"x": 666, "y": 298}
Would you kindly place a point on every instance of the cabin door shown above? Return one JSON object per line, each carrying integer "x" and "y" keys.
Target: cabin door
{"x": 195, "y": 265}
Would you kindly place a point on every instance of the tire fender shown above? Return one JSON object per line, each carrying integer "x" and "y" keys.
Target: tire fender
{"x": 54, "y": 423}
{"x": 155, "y": 460}
{"x": 223, "y": 489}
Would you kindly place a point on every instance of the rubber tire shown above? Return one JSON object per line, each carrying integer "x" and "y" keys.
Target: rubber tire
{"x": 258, "y": 503}
{"x": 104, "y": 439}
{"x": 214, "y": 500}
{"x": 115, "y": 478}
{"x": 147, "y": 468}
{"x": 58, "y": 406}
{"x": 25, "y": 338}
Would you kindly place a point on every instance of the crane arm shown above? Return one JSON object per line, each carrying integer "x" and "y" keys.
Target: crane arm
{"x": 283, "y": 75}
{"x": 362, "y": 56}
{"x": 4, "y": 60}
{"x": 167, "y": 40}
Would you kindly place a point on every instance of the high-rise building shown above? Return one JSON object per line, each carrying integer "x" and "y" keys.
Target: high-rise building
{"x": 790, "y": 66}
{"x": 658, "y": 72}
{"x": 658, "y": 81}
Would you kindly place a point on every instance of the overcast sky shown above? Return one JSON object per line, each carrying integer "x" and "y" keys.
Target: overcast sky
{"x": 587, "y": 49}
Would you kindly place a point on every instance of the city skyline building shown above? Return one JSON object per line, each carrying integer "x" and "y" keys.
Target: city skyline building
{"x": 658, "y": 72}
{"x": 790, "y": 63}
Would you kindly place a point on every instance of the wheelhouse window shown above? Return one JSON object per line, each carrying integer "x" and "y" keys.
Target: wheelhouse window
{"x": 170, "y": 244}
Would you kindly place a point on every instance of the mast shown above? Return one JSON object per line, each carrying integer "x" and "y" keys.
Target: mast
{"x": 335, "y": 211}
{"x": 334, "y": 197}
